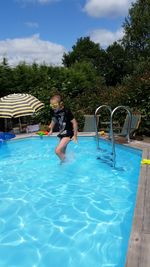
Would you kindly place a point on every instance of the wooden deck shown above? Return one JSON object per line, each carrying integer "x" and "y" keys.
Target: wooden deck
{"x": 139, "y": 245}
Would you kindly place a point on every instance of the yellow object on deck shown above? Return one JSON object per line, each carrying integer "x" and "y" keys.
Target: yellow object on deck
{"x": 145, "y": 161}
{"x": 102, "y": 133}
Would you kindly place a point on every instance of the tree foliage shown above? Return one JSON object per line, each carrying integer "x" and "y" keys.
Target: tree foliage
{"x": 110, "y": 64}
{"x": 137, "y": 30}
{"x": 138, "y": 92}
{"x": 86, "y": 50}
{"x": 116, "y": 65}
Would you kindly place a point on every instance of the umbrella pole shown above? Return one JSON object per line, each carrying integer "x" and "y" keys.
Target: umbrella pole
{"x": 5, "y": 124}
{"x": 11, "y": 124}
{"x": 20, "y": 125}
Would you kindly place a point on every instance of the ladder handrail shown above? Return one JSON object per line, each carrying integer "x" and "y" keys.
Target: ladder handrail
{"x": 111, "y": 127}
{"x": 102, "y": 106}
{"x": 112, "y": 132}
{"x": 96, "y": 122}
{"x": 129, "y": 121}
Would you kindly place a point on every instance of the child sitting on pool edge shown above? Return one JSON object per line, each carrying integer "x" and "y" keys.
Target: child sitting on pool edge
{"x": 67, "y": 125}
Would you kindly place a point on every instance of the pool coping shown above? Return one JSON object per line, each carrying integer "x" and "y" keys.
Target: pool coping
{"x": 138, "y": 254}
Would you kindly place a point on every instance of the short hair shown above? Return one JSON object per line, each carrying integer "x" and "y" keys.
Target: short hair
{"x": 56, "y": 97}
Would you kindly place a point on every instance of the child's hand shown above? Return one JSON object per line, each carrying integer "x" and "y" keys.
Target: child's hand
{"x": 50, "y": 132}
{"x": 74, "y": 138}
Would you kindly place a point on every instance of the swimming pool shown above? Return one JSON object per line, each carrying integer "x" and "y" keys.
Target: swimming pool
{"x": 77, "y": 214}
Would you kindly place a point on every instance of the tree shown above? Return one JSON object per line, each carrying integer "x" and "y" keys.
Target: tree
{"x": 6, "y": 78}
{"x": 138, "y": 92}
{"x": 115, "y": 67}
{"x": 137, "y": 44}
{"x": 137, "y": 30}
{"x": 87, "y": 51}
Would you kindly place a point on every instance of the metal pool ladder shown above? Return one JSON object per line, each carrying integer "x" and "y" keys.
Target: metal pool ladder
{"x": 111, "y": 132}
{"x": 107, "y": 158}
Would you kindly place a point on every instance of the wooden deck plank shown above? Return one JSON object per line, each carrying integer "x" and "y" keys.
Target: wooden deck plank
{"x": 146, "y": 223}
{"x": 145, "y": 251}
{"x": 136, "y": 239}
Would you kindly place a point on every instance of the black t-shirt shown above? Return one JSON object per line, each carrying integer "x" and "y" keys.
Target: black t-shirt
{"x": 63, "y": 118}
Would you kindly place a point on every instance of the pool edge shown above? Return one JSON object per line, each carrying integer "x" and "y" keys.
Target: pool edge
{"x": 138, "y": 253}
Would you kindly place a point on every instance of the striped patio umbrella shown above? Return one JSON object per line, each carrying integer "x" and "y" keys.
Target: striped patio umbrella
{"x": 19, "y": 105}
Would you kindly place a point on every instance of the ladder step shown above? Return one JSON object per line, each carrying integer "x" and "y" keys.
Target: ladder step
{"x": 108, "y": 158}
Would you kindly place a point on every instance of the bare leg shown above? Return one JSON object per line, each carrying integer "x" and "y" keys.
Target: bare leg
{"x": 61, "y": 148}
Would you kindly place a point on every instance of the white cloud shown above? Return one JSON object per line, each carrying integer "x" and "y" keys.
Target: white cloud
{"x": 105, "y": 37}
{"x": 31, "y": 49}
{"x": 112, "y": 8}
{"x": 32, "y": 24}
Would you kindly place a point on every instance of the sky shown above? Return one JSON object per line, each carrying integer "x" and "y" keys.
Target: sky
{"x": 42, "y": 30}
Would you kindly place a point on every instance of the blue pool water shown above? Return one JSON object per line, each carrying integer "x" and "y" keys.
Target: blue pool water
{"x": 77, "y": 214}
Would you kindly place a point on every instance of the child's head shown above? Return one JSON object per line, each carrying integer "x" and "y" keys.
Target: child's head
{"x": 56, "y": 102}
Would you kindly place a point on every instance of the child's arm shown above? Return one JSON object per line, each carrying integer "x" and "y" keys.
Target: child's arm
{"x": 51, "y": 127}
{"x": 75, "y": 129}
